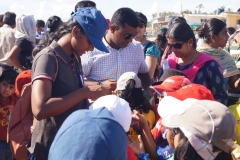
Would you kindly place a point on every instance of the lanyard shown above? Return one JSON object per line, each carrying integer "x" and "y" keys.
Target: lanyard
{"x": 81, "y": 79}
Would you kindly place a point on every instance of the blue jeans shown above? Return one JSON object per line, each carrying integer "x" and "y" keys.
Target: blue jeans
{"x": 5, "y": 151}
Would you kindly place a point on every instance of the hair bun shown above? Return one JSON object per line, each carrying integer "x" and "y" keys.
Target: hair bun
{"x": 200, "y": 34}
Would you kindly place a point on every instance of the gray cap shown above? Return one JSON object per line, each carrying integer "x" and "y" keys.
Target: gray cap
{"x": 123, "y": 79}
{"x": 205, "y": 119}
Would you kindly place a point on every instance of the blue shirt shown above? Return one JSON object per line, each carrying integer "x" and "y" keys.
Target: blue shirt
{"x": 152, "y": 50}
{"x": 211, "y": 77}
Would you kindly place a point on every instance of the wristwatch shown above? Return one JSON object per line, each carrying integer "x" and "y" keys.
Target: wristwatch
{"x": 99, "y": 83}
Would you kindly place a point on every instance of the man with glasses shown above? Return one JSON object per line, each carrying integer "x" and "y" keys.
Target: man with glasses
{"x": 124, "y": 54}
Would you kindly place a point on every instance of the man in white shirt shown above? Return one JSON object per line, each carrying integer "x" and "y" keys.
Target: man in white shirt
{"x": 7, "y": 39}
{"x": 124, "y": 54}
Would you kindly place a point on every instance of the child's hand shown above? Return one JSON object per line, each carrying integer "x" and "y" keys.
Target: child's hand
{"x": 137, "y": 147}
{"x": 139, "y": 118}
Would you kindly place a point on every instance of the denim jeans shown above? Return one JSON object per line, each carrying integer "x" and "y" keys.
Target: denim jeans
{"x": 5, "y": 151}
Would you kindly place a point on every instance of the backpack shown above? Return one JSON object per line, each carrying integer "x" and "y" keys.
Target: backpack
{"x": 22, "y": 122}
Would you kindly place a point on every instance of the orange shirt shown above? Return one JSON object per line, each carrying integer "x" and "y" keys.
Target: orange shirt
{"x": 5, "y": 109}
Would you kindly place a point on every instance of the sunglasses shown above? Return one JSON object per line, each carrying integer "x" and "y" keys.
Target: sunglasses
{"x": 129, "y": 36}
{"x": 175, "y": 45}
{"x": 141, "y": 25}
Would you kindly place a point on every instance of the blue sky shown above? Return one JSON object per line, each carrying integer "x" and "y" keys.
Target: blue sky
{"x": 42, "y": 9}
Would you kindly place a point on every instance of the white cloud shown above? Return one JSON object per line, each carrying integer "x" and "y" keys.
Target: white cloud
{"x": 177, "y": 7}
{"x": 45, "y": 9}
{"x": 154, "y": 8}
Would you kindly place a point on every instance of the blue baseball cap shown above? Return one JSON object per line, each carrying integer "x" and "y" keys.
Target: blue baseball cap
{"x": 94, "y": 24}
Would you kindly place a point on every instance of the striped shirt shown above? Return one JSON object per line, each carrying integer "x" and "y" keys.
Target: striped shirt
{"x": 100, "y": 66}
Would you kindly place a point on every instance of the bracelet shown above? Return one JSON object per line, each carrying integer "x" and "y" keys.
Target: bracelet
{"x": 143, "y": 156}
{"x": 99, "y": 83}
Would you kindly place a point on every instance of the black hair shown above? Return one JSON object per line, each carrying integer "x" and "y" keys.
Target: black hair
{"x": 211, "y": 26}
{"x": 63, "y": 29}
{"x": 9, "y": 76}
{"x": 142, "y": 18}
{"x": 40, "y": 23}
{"x": 134, "y": 96}
{"x": 177, "y": 20}
{"x": 231, "y": 30}
{"x": 161, "y": 39}
{"x": 185, "y": 150}
{"x": 1, "y": 17}
{"x": 124, "y": 15}
{"x": 9, "y": 18}
{"x": 83, "y": 4}
{"x": 53, "y": 23}
{"x": 181, "y": 32}
{"x": 66, "y": 28}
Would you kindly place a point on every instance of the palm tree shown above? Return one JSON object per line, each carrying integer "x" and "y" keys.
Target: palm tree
{"x": 229, "y": 10}
{"x": 154, "y": 15}
{"x": 160, "y": 14}
{"x": 200, "y": 6}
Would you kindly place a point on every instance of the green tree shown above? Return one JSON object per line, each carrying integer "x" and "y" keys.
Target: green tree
{"x": 187, "y": 12}
{"x": 223, "y": 8}
{"x": 200, "y": 6}
{"x": 215, "y": 11}
{"x": 228, "y": 10}
{"x": 154, "y": 15}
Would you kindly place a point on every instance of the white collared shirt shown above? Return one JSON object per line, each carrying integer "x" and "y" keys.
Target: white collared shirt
{"x": 100, "y": 66}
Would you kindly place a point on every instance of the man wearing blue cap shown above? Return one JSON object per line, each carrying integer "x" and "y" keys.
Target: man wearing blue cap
{"x": 125, "y": 55}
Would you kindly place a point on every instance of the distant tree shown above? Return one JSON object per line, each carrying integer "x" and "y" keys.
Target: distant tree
{"x": 187, "y": 12}
{"x": 200, "y": 6}
{"x": 154, "y": 15}
{"x": 160, "y": 14}
{"x": 163, "y": 14}
{"x": 204, "y": 13}
{"x": 228, "y": 10}
{"x": 214, "y": 12}
{"x": 223, "y": 8}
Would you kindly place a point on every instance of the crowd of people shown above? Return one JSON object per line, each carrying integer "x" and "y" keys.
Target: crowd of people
{"x": 102, "y": 90}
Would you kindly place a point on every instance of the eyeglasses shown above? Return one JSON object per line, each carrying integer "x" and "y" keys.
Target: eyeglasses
{"x": 141, "y": 25}
{"x": 129, "y": 36}
{"x": 175, "y": 45}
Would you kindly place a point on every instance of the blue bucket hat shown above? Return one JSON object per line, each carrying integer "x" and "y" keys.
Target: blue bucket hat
{"x": 94, "y": 24}
{"x": 90, "y": 134}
